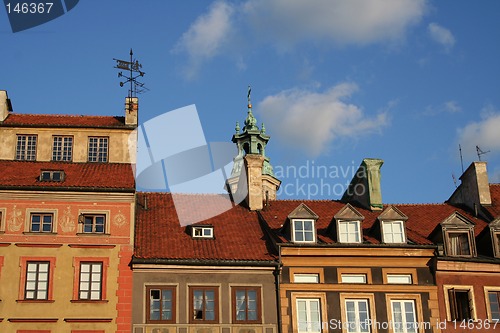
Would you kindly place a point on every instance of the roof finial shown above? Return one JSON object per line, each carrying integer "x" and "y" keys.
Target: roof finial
{"x": 248, "y": 97}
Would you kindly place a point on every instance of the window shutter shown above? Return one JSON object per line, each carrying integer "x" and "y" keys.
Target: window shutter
{"x": 453, "y": 304}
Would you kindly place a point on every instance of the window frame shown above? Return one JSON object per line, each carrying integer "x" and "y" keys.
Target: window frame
{"x": 495, "y": 237}
{"x": 81, "y": 222}
{"x": 340, "y": 232}
{"x": 26, "y": 151}
{"x": 90, "y": 290}
{"x": 204, "y": 288}
{"x": 417, "y": 306}
{"x": 370, "y": 300}
{"x": 487, "y": 291}
{"x": 2, "y": 220}
{"x": 306, "y": 270}
{"x": 449, "y": 303}
{"x": 194, "y": 230}
{"x": 400, "y": 271}
{"x": 392, "y": 222}
{"x": 354, "y": 271}
{"x": 304, "y": 275}
{"x": 321, "y": 296}
{"x": 77, "y": 261}
{"x": 23, "y": 263}
{"x": 62, "y": 148}
{"x": 161, "y": 288}
{"x": 258, "y": 302}
{"x": 470, "y": 241}
{"x": 303, "y": 231}
{"x": 102, "y": 142}
{"x": 42, "y": 215}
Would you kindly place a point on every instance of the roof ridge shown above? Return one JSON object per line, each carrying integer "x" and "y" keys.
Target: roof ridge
{"x": 61, "y": 115}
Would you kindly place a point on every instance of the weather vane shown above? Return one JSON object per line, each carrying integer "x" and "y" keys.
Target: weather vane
{"x": 134, "y": 68}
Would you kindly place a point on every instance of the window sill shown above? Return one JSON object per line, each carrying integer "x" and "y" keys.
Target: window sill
{"x": 89, "y": 301}
{"x": 38, "y": 233}
{"x": 35, "y": 301}
{"x": 92, "y": 234}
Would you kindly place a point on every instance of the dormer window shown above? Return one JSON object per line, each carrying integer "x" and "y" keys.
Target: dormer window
{"x": 348, "y": 221}
{"x": 303, "y": 231}
{"x": 393, "y": 232}
{"x": 303, "y": 224}
{"x": 52, "y": 176}
{"x": 202, "y": 231}
{"x": 349, "y": 232}
{"x": 458, "y": 236}
{"x": 495, "y": 236}
{"x": 392, "y": 226}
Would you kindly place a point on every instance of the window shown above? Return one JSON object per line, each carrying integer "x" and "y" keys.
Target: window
{"x": 349, "y": 232}
{"x": 494, "y": 305}
{"x": 460, "y": 304}
{"x": 404, "y": 319}
{"x": 204, "y": 304}
{"x": 94, "y": 224}
{"x": 495, "y": 235}
{"x": 306, "y": 278}
{"x": 90, "y": 286}
{"x": 353, "y": 278}
{"x": 55, "y": 176}
{"x": 308, "y": 315}
{"x": 399, "y": 278}
{"x": 41, "y": 222}
{"x": 393, "y": 232}
{"x": 246, "y": 305}
{"x": 37, "y": 280}
{"x": 357, "y": 315}
{"x": 303, "y": 231}
{"x": 98, "y": 149}
{"x": 202, "y": 232}
{"x": 62, "y": 148}
{"x": 161, "y": 304}
{"x": 26, "y": 148}
{"x": 458, "y": 244}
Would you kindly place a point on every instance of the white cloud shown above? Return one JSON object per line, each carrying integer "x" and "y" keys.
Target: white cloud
{"x": 311, "y": 121}
{"x": 206, "y": 36}
{"x": 441, "y": 35}
{"x": 346, "y": 22}
{"x": 284, "y": 23}
{"x": 447, "y": 107}
{"x": 484, "y": 133}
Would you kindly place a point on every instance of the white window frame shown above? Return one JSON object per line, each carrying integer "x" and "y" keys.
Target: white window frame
{"x": 388, "y": 236}
{"x": 309, "y": 320}
{"x": 204, "y": 232}
{"x": 92, "y": 279}
{"x": 356, "y": 328}
{"x": 344, "y": 232}
{"x": 101, "y": 148}
{"x": 26, "y": 147}
{"x": 358, "y": 278}
{"x": 488, "y": 290}
{"x": 303, "y": 231}
{"x": 37, "y": 282}
{"x": 397, "y": 278}
{"x": 62, "y": 148}
{"x": 460, "y": 288}
{"x": 306, "y": 278}
{"x": 403, "y": 329}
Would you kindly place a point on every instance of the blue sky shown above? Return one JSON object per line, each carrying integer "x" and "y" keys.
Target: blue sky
{"x": 334, "y": 82}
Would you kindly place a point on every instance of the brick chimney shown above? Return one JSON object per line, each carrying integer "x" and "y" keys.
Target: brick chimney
{"x": 474, "y": 189}
{"x": 365, "y": 189}
{"x": 131, "y": 111}
{"x": 5, "y": 105}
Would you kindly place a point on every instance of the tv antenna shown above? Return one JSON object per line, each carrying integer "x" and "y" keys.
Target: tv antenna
{"x": 480, "y": 152}
{"x": 461, "y": 157}
{"x": 134, "y": 71}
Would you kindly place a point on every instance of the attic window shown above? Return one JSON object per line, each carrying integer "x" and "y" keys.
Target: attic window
{"x": 52, "y": 176}
{"x": 202, "y": 232}
{"x": 303, "y": 231}
{"x": 393, "y": 232}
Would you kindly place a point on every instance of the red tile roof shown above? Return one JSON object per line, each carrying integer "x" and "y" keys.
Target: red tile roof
{"x": 89, "y": 176}
{"x": 422, "y": 219}
{"x": 494, "y": 209}
{"x": 44, "y": 120}
{"x": 159, "y": 235}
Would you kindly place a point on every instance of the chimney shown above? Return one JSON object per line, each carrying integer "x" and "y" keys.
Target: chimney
{"x": 365, "y": 189}
{"x": 5, "y": 105}
{"x": 131, "y": 111}
{"x": 474, "y": 188}
{"x": 254, "y": 163}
